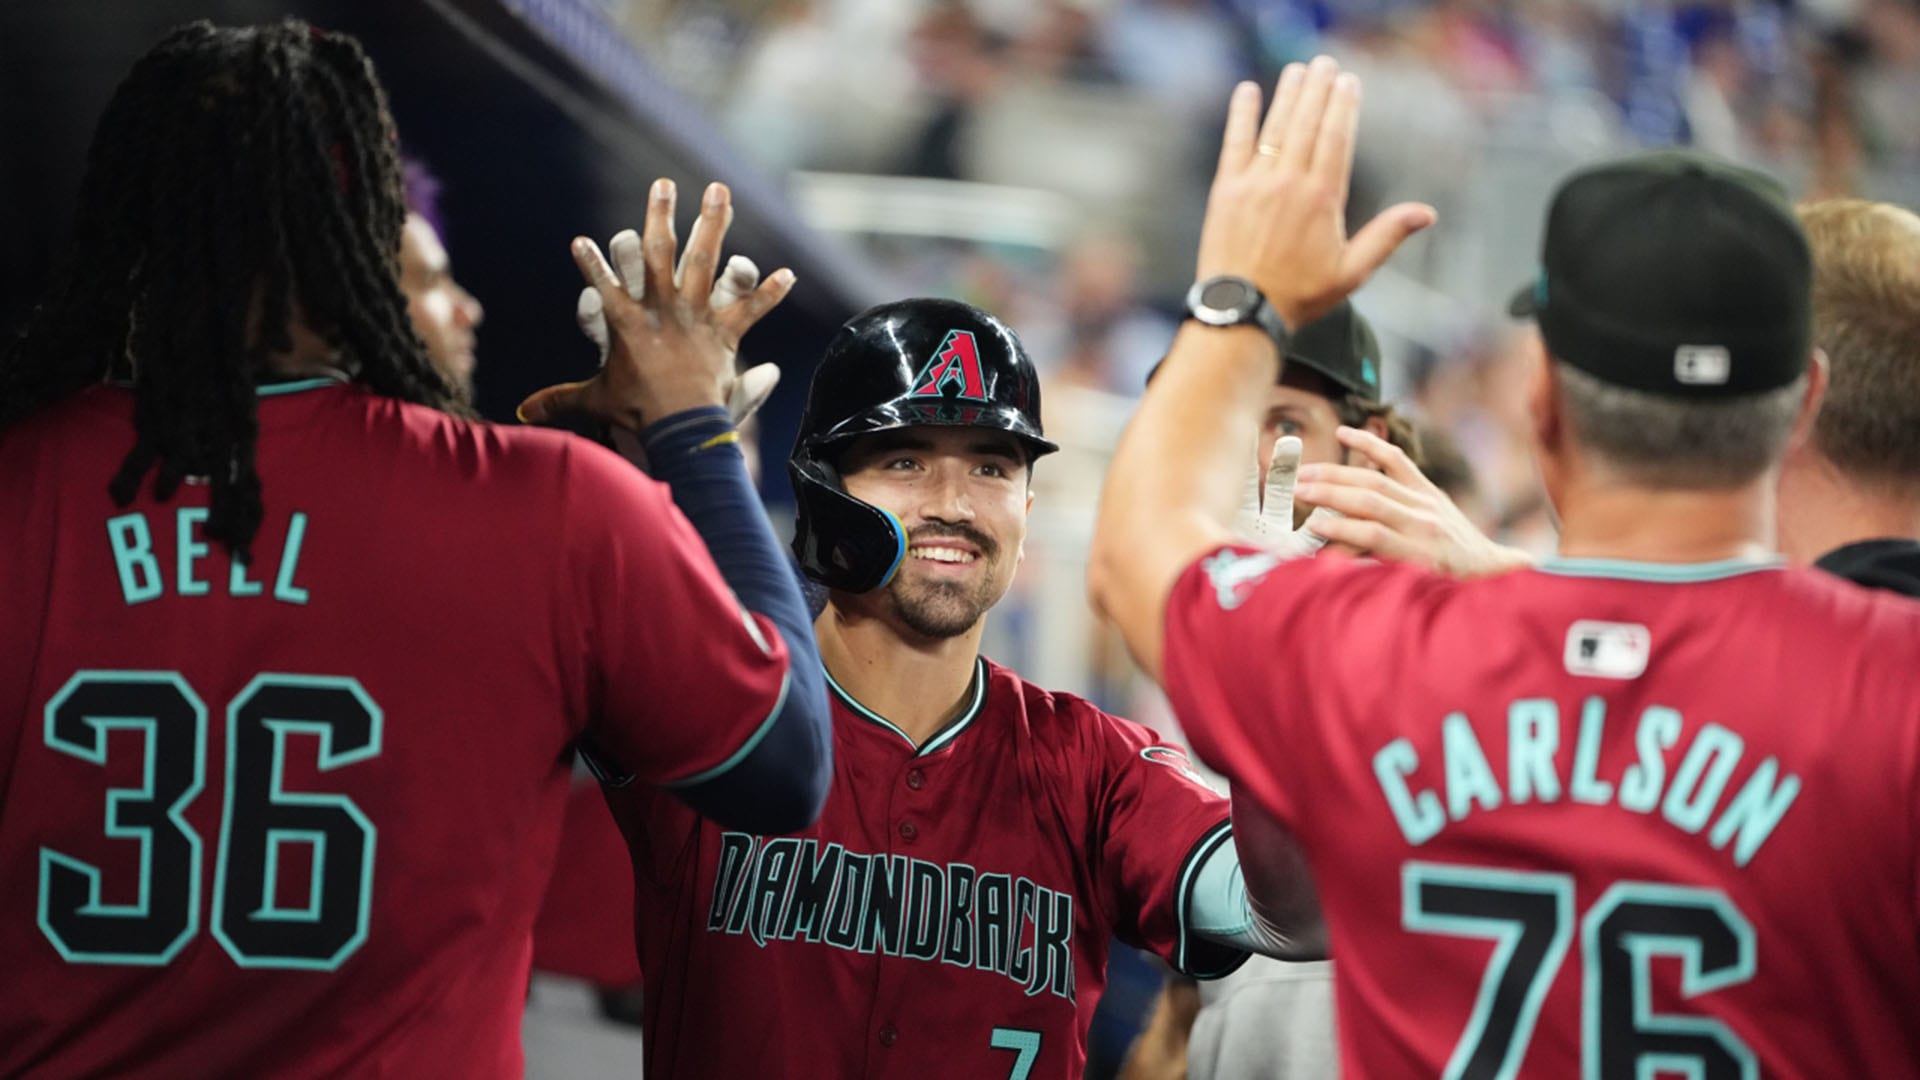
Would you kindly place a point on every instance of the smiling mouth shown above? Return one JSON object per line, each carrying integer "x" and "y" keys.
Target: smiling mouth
{"x": 942, "y": 555}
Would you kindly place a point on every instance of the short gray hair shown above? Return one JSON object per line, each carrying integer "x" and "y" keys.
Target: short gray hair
{"x": 1666, "y": 442}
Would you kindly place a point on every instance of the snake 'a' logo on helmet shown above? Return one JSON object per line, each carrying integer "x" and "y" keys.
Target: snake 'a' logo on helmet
{"x": 955, "y": 366}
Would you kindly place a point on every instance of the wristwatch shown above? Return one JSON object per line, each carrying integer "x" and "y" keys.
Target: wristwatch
{"x": 1226, "y": 300}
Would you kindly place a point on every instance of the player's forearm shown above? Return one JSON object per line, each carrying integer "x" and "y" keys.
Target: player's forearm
{"x": 1279, "y": 884}
{"x": 780, "y": 785}
{"x": 1161, "y": 1049}
{"x": 1176, "y": 478}
{"x": 1286, "y": 926}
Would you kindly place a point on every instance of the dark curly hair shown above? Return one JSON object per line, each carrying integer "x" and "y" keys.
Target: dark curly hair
{"x": 239, "y": 179}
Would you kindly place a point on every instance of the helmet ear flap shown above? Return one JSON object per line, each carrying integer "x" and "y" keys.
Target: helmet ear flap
{"x": 910, "y": 363}
{"x": 842, "y": 543}
{"x": 830, "y": 473}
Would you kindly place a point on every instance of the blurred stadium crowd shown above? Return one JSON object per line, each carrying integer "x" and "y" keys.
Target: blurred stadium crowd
{"x": 1076, "y": 136}
{"x": 1046, "y": 160}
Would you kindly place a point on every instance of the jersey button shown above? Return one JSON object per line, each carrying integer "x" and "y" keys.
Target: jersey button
{"x": 888, "y": 1036}
{"x": 908, "y": 832}
{"x": 916, "y": 779}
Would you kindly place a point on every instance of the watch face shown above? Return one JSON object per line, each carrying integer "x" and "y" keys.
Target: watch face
{"x": 1227, "y": 294}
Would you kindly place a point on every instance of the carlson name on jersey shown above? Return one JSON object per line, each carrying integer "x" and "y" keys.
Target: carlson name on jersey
{"x": 1687, "y": 795}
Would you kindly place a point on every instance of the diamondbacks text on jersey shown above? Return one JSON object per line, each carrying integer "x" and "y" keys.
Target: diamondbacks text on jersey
{"x": 947, "y": 916}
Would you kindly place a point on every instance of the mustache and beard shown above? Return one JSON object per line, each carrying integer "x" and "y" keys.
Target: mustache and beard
{"x": 935, "y": 608}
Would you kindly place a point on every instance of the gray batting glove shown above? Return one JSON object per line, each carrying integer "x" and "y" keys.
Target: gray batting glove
{"x": 740, "y": 278}
{"x": 1265, "y": 517}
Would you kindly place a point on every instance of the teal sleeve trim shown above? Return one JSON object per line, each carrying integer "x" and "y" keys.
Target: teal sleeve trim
{"x": 1220, "y": 908}
{"x": 753, "y": 740}
{"x": 1220, "y": 911}
{"x": 294, "y": 387}
{"x": 1674, "y": 573}
{"x": 939, "y": 739}
{"x": 1206, "y": 958}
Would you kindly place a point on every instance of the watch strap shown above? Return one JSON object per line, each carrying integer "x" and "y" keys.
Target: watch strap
{"x": 1261, "y": 313}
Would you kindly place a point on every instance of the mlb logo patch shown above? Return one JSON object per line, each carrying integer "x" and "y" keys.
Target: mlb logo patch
{"x": 1702, "y": 365}
{"x": 1607, "y": 650}
{"x": 1234, "y": 573}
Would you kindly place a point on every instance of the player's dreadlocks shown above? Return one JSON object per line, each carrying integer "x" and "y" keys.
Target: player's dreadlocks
{"x": 238, "y": 179}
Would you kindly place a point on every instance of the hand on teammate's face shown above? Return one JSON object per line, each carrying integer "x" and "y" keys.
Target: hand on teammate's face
{"x": 670, "y": 346}
{"x": 1392, "y": 511}
{"x": 1266, "y": 510}
{"x": 1276, "y": 212}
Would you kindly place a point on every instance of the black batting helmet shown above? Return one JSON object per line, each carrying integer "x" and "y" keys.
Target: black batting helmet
{"x": 911, "y": 363}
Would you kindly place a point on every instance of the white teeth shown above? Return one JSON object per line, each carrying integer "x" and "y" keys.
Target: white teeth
{"x": 942, "y": 554}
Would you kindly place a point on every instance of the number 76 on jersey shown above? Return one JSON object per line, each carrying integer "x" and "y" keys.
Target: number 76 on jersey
{"x": 1531, "y": 920}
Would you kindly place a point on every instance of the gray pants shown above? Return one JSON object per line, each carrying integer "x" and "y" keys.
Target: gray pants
{"x": 1268, "y": 1021}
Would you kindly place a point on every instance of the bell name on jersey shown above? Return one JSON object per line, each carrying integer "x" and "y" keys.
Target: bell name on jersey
{"x": 793, "y": 889}
{"x": 1688, "y": 797}
{"x": 143, "y": 577}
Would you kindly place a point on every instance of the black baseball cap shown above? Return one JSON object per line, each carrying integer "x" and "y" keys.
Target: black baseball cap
{"x": 1338, "y": 345}
{"x": 1341, "y": 346}
{"x": 1675, "y": 273}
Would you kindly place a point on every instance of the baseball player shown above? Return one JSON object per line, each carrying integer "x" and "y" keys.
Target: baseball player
{"x": 443, "y": 313}
{"x": 281, "y": 768}
{"x": 1644, "y": 809}
{"x": 950, "y": 913}
{"x": 1273, "y": 1018}
{"x": 1331, "y": 380}
{"x": 1850, "y": 495}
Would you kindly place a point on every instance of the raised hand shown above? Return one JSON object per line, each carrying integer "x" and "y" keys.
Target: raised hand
{"x": 670, "y": 348}
{"x": 738, "y": 280}
{"x": 1265, "y": 517}
{"x": 1399, "y": 514}
{"x": 1276, "y": 212}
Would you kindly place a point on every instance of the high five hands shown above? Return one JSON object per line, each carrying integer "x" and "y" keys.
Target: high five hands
{"x": 1276, "y": 212}
{"x": 1392, "y": 511}
{"x": 674, "y": 329}
{"x": 738, "y": 280}
{"x": 1265, "y": 517}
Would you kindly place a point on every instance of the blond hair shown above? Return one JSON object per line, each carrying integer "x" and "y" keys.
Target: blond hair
{"x": 1866, "y": 316}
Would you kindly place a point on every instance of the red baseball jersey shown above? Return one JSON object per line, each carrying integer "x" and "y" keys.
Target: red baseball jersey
{"x": 294, "y": 818}
{"x": 1604, "y": 820}
{"x": 585, "y": 926}
{"x": 947, "y": 916}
